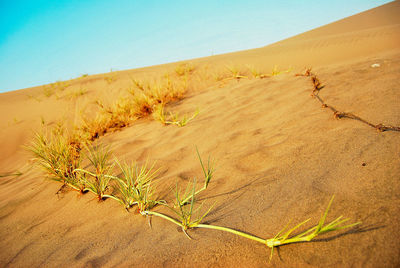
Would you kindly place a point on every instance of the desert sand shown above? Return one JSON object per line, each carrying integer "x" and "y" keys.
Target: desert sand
{"x": 278, "y": 155}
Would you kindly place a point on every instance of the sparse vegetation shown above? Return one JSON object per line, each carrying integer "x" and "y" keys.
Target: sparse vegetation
{"x": 73, "y": 161}
{"x": 94, "y": 128}
{"x": 135, "y": 186}
{"x": 97, "y": 179}
{"x": 48, "y": 91}
{"x": 33, "y": 97}
{"x": 284, "y": 238}
{"x": 186, "y": 222}
{"x": 188, "y": 217}
{"x": 235, "y": 72}
{"x": 80, "y": 92}
{"x": 256, "y": 73}
{"x": 172, "y": 119}
{"x": 184, "y": 69}
{"x": 110, "y": 79}
{"x": 51, "y": 89}
{"x": 275, "y": 71}
{"x": 58, "y": 154}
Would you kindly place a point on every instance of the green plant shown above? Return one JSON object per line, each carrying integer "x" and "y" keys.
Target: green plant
{"x": 188, "y": 217}
{"x": 174, "y": 118}
{"x": 186, "y": 222}
{"x": 59, "y": 156}
{"x": 208, "y": 174}
{"x": 256, "y": 73}
{"x": 159, "y": 114}
{"x": 235, "y": 72}
{"x": 135, "y": 187}
{"x": 98, "y": 178}
{"x": 275, "y": 71}
{"x": 282, "y": 238}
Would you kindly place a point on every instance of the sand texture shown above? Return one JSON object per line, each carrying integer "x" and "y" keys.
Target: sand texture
{"x": 278, "y": 154}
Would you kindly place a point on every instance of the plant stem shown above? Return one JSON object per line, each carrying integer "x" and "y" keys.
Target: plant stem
{"x": 196, "y": 193}
{"x": 162, "y": 216}
{"x": 215, "y": 227}
{"x": 225, "y": 229}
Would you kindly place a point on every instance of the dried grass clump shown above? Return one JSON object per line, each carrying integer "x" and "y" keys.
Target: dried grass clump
{"x": 52, "y": 88}
{"x": 109, "y": 118}
{"x": 256, "y": 73}
{"x": 172, "y": 118}
{"x": 184, "y": 69}
{"x": 60, "y": 157}
{"x": 160, "y": 92}
{"x": 93, "y": 128}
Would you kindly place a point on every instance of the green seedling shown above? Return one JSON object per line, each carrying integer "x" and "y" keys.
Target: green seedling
{"x": 283, "y": 237}
{"x": 174, "y": 119}
{"x": 208, "y": 174}
{"x": 235, "y": 73}
{"x": 135, "y": 186}
{"x": 256, "y": 73}
{"x": 275, "y": 71}
{"x": 188, "y": 216}
{"x": 97, "y": 180}
{"x": 159, "y": 114}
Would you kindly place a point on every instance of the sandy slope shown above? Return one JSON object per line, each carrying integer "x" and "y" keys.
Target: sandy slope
{"x": 279, "y": 156}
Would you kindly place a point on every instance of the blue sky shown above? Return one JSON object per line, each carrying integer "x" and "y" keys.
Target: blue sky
{"x": 42, "y": 41}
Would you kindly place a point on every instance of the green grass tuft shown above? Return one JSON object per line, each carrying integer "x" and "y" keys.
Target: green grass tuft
{"x": 135, "y": 186}
{"x": 283, "y": 237}
{"x": 97, "y": 178}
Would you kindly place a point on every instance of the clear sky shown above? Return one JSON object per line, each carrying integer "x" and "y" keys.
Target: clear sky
{"x": 42, "y": 41}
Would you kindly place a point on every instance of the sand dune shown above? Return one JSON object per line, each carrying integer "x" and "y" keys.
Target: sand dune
{"x": 279, "y": 157}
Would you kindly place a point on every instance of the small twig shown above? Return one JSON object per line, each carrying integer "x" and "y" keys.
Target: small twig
{"x": 317, "y": 86}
